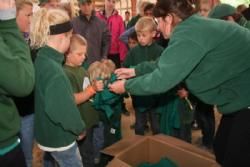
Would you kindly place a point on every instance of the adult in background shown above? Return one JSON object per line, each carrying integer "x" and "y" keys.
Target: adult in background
{"x": 127, "y": 18}
{"x": 216, "y": 69}
{"x": 117, "y": 50}
{"x": 94, "y": 30}
{"x": 229, "y": 13}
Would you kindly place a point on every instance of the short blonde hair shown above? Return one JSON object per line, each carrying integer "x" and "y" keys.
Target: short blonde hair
{"x": 20, "y": 4}
{"x": 75, "y": 41}
{"x": 41, "y": 22}
{"x": 145, "y": 24}
{"x": 95, "y": 71}
{"x": 101, "y": 69}
{"x": 72, "y": 7}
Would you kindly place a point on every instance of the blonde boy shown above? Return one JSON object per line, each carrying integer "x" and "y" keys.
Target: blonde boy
{"x": 146, "y": 50}
{"x": 83, "y": 91}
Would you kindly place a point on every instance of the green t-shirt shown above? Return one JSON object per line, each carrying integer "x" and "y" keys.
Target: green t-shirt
{"x": 79, "y": 78}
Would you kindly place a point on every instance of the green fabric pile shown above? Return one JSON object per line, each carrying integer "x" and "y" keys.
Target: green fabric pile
{"x": 164, "y": 162}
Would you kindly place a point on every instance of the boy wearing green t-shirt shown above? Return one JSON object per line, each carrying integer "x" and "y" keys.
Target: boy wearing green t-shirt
{"x": 83, "y": 92}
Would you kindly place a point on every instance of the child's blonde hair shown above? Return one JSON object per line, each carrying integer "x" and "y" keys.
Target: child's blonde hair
{"x": 72, "y": 7}
{"x": 101, "y": 69}
{"x": 20, "y": 4}
{"x": 108, "y": 67}
{"x": 41, "y": 22}
{"x": 95, "y": 71}
{"x": 75, "y": 41}
{"x": 145, "y": 24}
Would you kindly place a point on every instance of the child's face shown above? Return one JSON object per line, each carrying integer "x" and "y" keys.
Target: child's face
{"x": 132, "y": 43}
{"x": 77, "y": 57}
{"x": 204, "y": 9}
{"x": 24, "y": 17}
{"x": 145, "y": 37}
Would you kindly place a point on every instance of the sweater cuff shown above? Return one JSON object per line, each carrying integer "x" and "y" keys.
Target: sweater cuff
{"x": 8, "y": 14}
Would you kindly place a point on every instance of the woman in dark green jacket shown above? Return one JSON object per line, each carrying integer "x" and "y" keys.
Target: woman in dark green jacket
{"x": 215, "y": 68}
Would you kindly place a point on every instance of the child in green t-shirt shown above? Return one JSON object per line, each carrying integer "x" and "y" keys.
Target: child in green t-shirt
{"x": 83, "y": 92}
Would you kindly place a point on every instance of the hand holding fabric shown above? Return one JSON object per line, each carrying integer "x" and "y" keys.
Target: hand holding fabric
{"x": 118, "y": 87}
{"x": 125, "y": 73}
{"x": 98, "y": 85}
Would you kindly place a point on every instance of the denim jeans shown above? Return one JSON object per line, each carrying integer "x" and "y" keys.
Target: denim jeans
{"x": 67, "y": 158}
{"x": 27, "y": 136}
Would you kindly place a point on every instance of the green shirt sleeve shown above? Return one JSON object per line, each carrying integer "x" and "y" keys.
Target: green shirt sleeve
{"x": 128, "y": 59}
{"x": 174, "y": 65}
{"x": 16, "y": 70}
{"x": 145, "y": 67}
{"x": 64, "y": 112}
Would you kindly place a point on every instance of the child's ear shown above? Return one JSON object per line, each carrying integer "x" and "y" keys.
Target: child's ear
{"x": 154, "y": 34}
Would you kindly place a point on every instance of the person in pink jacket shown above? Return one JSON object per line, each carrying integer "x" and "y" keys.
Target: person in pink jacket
{"x": 118, "y": 49}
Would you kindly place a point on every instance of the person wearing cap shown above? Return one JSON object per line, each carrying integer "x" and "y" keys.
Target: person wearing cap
{"x": 215, "y": 69}
{"x": 17, "y": 79}
{"x": 49, "y": 3}
{"x": 94, "y": 30}
{"x": 229, "y": 13}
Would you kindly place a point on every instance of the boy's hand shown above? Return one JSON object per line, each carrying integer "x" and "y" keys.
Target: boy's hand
{"x": 118, "y": 87}
{"x": 98, "y": 85}
{"x": 182, "y": 93}
{"x": 81, "y": 136}
{"x": 7, "y": 4}
{"x": 125, "y": 73}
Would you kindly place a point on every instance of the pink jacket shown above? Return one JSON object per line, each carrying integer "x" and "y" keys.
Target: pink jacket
{"x": 116, "y": 28}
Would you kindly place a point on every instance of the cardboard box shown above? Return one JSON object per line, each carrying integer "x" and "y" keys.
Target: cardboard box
{"x": 133, "y": 151}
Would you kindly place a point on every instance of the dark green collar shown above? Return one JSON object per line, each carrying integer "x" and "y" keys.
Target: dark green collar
{"x": 51, "y": 53}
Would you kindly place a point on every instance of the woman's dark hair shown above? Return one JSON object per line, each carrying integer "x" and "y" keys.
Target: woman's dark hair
{"x": 149, "y": 6}
{"x": 182, "y": 8}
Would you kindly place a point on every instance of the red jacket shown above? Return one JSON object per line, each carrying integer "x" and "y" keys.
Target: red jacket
{"x": 116, "y": 28}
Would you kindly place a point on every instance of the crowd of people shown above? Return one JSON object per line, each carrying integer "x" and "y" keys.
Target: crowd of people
{"x": 66, "y": 69}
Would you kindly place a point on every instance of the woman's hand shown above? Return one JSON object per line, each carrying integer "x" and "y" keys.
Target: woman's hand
{"x": 125, "y": 73}
{"x": 118, "y": 87}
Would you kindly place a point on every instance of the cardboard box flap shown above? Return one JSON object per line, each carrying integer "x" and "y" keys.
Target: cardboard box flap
{"x": 121, "y": 145}
{"x": 117, "y": 163}
{"x": 184, "y": 145}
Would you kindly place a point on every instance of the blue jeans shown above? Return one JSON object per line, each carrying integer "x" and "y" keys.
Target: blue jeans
{"x": 27, "y": 136}
{"x": 70, "y": 157}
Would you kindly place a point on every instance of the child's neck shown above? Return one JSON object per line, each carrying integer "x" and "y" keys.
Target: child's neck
{"x": 55, "y": 45}
{"x": 148, "y": 44}
{"x": 70, "y": 64}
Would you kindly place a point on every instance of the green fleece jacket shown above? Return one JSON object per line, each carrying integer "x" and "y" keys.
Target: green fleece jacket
{"x": 17, "y": 79}
{"x": 216, "y": 68}
{"x": 57, "y": 118}
{"x": 138, "y": 55}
